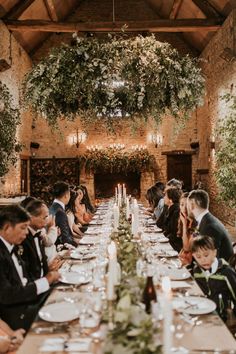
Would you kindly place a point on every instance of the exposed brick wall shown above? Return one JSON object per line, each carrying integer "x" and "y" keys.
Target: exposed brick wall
{"x": 221, "y": 79}
{"x": 12, "y": 77}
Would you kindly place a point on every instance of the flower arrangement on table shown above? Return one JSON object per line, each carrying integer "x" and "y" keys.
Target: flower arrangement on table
{"x": 9, "y": 120}
{"x": 104, "y": 81}
{"x": 133, "y": 332}
{"x": 117, "y": 160}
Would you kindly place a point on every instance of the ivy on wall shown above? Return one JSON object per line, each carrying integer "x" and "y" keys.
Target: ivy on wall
{"x": 226, "y": 154}
{"x": 112, "y": 160}
{"x": 9, "y": 120}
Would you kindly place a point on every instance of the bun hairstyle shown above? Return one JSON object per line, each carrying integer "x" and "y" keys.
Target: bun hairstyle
{"x": 60, "y": 189}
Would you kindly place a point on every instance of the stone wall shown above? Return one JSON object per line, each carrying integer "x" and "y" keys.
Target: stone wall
{"x": 13, "y": 77}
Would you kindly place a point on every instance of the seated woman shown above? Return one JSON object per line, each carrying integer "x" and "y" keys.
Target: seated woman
{"x": 153, "y": 198}
{"x": 71, "y": 211}
{"x": 170, "y": 227}
{"x": 186, "y": 226}
{"x": 86, "y": 200}
{"x": 10, "y": 340}
{"x": 81, "y": 212}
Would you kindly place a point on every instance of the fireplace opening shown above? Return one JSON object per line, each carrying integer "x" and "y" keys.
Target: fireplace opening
{"x": 105, "y": 183}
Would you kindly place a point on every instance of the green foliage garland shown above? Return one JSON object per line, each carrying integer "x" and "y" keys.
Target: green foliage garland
{"x": 102, "y": 81}
{"x": 112, "y": 160}
{"x": 9, "y": 120}
{"x": 134, "y": 332}
{"x": 225, "y": 155}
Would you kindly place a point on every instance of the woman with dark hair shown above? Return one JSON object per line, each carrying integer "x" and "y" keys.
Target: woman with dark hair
{"x": 70, "y": 212}
{"x": 81, "y": 213}
{"x": 186, "y": 227}
{"x": 171, "y": 198}
{"x": 86, "y": 200}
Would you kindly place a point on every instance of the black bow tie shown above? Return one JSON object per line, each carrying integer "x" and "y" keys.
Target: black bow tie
{"x": 15, "y": 251}
{"x": 38, "y": 235}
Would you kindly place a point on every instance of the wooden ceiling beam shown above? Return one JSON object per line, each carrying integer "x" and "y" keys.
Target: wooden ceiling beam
{"x": 16, "y": 11}
{"x": 175, "y": 9}
{"x": 207, "y": 9}
{"x": 51, "y": 9}
{"x": 179, "y": 25}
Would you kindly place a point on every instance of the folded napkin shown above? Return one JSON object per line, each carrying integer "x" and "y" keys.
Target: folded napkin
{"x": 70, "y": 345}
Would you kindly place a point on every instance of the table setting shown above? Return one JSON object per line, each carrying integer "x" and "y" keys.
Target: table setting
{"x": 95, "y": 309}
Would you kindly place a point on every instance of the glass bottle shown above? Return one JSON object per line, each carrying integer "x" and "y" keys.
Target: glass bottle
{"x": 149, "y": 293}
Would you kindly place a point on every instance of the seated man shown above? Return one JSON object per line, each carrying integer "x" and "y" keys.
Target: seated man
{"x": 209, "y": 225}
{"x": 61, "y": 193}
{"x": 34, "y": 250}
{"x": 19, "y": 297}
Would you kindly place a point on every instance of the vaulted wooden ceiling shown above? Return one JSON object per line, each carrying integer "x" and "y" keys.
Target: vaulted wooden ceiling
{"x": 192, "y": 22}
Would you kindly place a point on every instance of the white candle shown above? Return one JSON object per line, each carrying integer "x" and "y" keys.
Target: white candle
{"x": 124, "y": 192}
{"x": 116, "y": 193}
{"x": 135, "y": 219}
{"x": 127, "y": 209}
{"x": 113, "y": 276}
{"x": 116, "y": 215}
{"x": 167, "y": 315}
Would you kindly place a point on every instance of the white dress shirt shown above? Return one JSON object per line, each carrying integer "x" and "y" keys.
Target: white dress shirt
{"x": 59, "y": 202}
{"x": 42, "y": 284}
{"x": 200, "y": 216}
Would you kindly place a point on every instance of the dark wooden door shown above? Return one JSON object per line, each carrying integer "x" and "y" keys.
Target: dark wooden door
{"x": 180, "y": 167}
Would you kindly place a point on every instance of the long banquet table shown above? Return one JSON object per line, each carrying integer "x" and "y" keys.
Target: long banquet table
{"x": 206, "y": 334}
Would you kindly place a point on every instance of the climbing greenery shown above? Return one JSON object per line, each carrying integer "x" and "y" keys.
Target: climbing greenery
{"x": 9, "y": 120}
{"x": 225, "y": 155}
{"x": 109, "y": 160}
{"x": 104, "y": 81}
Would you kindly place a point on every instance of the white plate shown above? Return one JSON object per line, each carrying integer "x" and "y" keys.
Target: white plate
{"x": 167, "y": 253}
{"x": 178, "y": 274}
{"x": 162, "y": 239}
{"x": 59, "y": 312}
{"x": 82, "y": 257}
{"x": 89, "y": 240}
{"x": 74, "y": 278}
{"x": 194, "y": 305}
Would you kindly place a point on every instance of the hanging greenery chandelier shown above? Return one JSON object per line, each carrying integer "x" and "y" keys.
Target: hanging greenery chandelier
{"x": 120, "y": 78}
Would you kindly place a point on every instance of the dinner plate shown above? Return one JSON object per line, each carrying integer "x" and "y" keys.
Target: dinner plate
{"x": 162, "y": 239}
{"x": 89, "y": 240}
{"x": 166, "y": 254}
{"x": 74, "y": 278}
{"x": 194, "y": 305}
{"x": 178, "y": 274}
{"x": 60, "y": 312}
{"x": 82, "y": 256}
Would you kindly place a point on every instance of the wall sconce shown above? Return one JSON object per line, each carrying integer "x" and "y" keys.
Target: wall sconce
{"x": 157, "y": 139}
{"x": 79, "y": 138}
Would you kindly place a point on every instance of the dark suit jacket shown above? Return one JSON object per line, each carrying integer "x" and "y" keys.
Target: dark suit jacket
{"x": 211, "y": 226}
{"x": 31, "y": 258}
{"x": 171, "y": 227}
{"x": 18, "y": 304}
{"x": 62, "y": 222}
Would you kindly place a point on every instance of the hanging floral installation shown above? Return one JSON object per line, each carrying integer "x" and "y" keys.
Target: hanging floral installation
{"x": 114, "y": 160}
{"x": 9, "y": 120}
{"x": 225, "y": 154}
{"x": 105, "y": 81}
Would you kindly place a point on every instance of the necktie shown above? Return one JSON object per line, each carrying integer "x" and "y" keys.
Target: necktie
{"x": 38, "y": 235}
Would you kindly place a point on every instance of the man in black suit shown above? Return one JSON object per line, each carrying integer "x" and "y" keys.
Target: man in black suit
{"x": 34, "y": 251}
{"x": 19, "y": 297}
{"x": 209, "y": 225}
{"x": 61, "y": 193}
